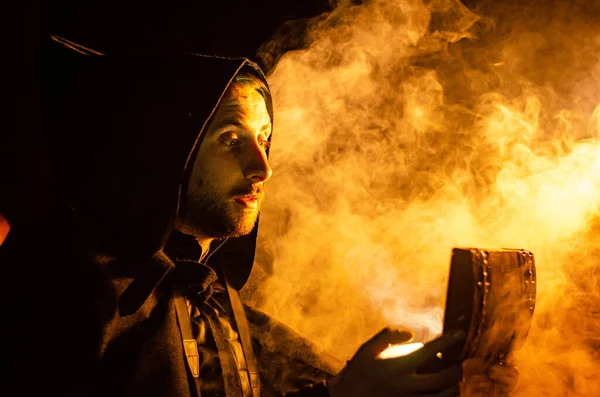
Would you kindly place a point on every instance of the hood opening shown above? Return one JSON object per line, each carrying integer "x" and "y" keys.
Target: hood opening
{"x": 122, "y": 131}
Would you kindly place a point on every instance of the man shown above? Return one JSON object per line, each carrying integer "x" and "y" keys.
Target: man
{"x": 159, "y": 172}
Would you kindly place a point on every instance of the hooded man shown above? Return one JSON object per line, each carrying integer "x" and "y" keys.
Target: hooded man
{"x": 159, "y": 170}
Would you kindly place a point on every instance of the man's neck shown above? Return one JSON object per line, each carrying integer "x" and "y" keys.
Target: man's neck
{"x": 203, "y": 240}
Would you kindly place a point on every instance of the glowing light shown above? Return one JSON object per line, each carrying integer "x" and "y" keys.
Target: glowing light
{"x": 400, "y": 350}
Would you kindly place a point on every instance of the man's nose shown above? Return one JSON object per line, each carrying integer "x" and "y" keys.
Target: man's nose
{"x": 257, "y": 168}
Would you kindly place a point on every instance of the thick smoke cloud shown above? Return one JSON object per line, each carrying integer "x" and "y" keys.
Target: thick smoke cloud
{"x": 406, "y": 128}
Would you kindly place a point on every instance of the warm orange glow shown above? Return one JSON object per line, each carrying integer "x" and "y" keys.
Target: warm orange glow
{"x": 404, "y": 349}
{"x": 405, "y": 128}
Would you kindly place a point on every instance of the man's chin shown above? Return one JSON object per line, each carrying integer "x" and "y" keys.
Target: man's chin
{"x": 243, "y": 223}
{"x": 222, "y": 219}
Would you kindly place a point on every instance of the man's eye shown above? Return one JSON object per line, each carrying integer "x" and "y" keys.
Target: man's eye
{"x": 230, "y": 141}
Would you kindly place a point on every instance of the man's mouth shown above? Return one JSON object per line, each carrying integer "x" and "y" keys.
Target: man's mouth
{"x": 249, "y": 201}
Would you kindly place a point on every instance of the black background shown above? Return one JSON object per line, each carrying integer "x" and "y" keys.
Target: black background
{"x": 226, "y": 27}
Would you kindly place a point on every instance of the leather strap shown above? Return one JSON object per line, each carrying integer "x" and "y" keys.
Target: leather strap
{"x": 229, "y": 366}
{"x": 190, "y": 346}
{"x": 245, "y": 338}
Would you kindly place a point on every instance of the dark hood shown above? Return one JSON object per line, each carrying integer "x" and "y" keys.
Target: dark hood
{"x": 122, "y": 131}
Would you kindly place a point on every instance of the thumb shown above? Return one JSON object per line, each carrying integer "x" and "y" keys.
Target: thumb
{"x": 383, "y": 339}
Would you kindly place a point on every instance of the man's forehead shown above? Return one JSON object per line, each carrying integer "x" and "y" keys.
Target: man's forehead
{"x": 243, "y": 105}
{"x": 248, "y": 103}
{"x": 248, "y": 97}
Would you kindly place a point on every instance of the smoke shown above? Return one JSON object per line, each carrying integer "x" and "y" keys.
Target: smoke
{"x": 406, "y": 128}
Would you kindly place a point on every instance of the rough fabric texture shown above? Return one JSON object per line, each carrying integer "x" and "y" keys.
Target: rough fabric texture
{"x": 141, "y": 353}
{"x": 289, "y": 365}
{"x": 70, "y": 336}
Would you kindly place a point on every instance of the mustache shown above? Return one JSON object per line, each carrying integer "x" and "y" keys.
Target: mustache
{"x": 255, "y": 190}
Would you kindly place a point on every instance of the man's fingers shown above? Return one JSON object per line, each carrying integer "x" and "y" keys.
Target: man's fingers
{"x": 413, "y": 361}
{"x": 382, "y": 340}
{"x": 422, "y": 384}
{"x": 444, "y": 379}
{"x": 436, "y": 346}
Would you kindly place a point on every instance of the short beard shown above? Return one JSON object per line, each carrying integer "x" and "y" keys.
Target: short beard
{"x": 215, "y": 218}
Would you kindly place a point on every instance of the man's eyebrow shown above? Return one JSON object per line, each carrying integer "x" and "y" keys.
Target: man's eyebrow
{"x": 235, "y": 122}
{"x": 231, "y": 121}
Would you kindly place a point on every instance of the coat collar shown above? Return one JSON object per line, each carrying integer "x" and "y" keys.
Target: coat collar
{"x": 179, "y": 258}
{"x": 146, "y": 278}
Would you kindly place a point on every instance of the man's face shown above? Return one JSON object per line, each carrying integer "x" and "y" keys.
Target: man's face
{"x": 226, "y": 188}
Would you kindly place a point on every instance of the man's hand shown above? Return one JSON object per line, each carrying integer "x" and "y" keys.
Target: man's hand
{"x": 368, "y": 376}
{"x": 483, "y": 380}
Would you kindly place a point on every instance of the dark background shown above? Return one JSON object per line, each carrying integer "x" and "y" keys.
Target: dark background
{"x": 223, "y": 27}
{"x": 226, "y": 27}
